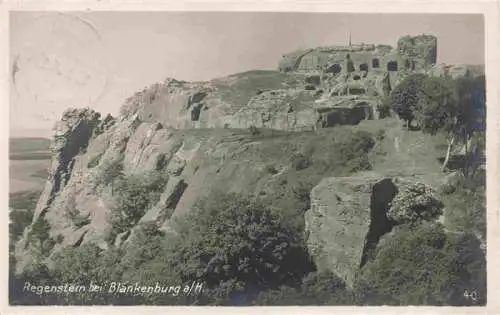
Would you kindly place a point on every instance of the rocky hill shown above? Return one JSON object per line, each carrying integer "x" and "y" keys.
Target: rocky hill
{"x": 267, "y": 134}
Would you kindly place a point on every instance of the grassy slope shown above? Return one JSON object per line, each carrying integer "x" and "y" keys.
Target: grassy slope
{"x": 262, "y": 164}
{"x": 237, "y": 89}
{"x": 406, "y": 153}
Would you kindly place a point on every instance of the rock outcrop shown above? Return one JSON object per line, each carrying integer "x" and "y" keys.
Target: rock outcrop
{"x": 290, "y": 110}
{"x": 419, "y": 52}
{"x": 345, "y": 110}
{"x": 71, "y": 137}
{"x": 197, "y": 134}
{"x": 77, "y": 210}
{"x": 456, "y": 71}
{"x": 347, "y": 219}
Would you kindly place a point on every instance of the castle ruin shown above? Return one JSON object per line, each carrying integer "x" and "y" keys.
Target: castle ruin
{"x": 411, "y": 53}
{"x": 354, "y": 78}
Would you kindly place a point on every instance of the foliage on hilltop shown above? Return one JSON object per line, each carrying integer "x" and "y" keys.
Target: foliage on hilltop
{"x": 454, "y": 108}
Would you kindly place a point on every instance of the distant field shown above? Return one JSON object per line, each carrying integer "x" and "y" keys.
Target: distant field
{"x": 18, "y": 145}
{"x": 29, "y": 163}
{"x": 30, "y": 156}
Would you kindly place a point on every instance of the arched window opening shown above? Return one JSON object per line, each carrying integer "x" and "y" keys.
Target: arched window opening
{"x": 335, "y": 69}
{"x": 392, "y": 66}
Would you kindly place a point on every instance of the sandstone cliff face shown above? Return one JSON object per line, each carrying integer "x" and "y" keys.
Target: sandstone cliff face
{"x": 347, "y": 218}
{"x": 233, "y": 102}
{"x": 72, "y": 136}
{"x": 71, "y": 139}
{"x": 278, "y": 109}
{"x": 263, "y": 99}
{"x": 196, "y": 133}
{"x": 77, "y": 200}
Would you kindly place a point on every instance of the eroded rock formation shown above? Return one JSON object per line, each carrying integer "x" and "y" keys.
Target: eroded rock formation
{"x": 192, "y": 131}
{"x": 347, "y": 218}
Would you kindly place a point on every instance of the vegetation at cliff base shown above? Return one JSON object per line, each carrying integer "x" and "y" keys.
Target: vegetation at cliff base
{"x": 424, "y": 266}
{"x": 374, "y": 213}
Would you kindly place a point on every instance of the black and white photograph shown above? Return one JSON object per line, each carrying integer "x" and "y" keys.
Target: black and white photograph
{"x": 236, "y": 158}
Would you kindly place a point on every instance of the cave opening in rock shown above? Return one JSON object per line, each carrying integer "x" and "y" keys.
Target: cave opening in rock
{"x": 363, "y": 67}
{"x": 382, "y": 194}
{"x": 392, "y": 66}
{"x": 335, "y": 69}
{"x": 195, "y": 112}
{"x": 375, "y": 63}
{"x": 356, "y": 90}
{"x": 343, "y": 116}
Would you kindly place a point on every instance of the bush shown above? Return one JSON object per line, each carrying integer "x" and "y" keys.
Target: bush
{"x": 19, "y": 220}
{"x": 80, "y": 265}
{"x": 144, "y": 245}
{"x": 352, "y": 151}
{"x": 94, "y": 160}
{"x": 380, "y": 136}
{"x": 405, "y": 97}
{"x": 110, "y": 170}
{"x": 135, "y": 194}
{"x": 421, "y": 266}
{"x": 253, "y": 130}
{"x": 77, "y": 265}
{"x": 74, "y": 215}
{"x": 39, "y": 230}
{"x": 59, "y": 239}
{"x": 299, "y": 161}
{"x": 384, "y": 109}
{"x": 271, "y": 169}
{"x": 465, "y": 202}
{"x": 415, "y": 203}
{"x": 236, "y": 245}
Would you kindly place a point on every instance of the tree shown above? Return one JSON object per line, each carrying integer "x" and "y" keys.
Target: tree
{"x": 423, "y": 266}
{"x": 135, "y": 194}
{"x": 352, "y": 151}
{"x": 236, "y": 246}
{"x": 110, "y": 171}
{"x": 471, "y": 95}
{"x": 405, "y": 97}
{"x": 438, "y": 111}
{"x": 77, "y": 265}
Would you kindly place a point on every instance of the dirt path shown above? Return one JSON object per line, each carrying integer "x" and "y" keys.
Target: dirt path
{"x": 407, "y": 153}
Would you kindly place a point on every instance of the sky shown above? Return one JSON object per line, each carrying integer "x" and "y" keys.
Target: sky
{"x": 98, "y": 59}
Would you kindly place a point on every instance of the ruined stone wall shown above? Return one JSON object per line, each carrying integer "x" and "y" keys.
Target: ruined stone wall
{"x": 420, "y": 51}
{"x": 351, "y": 61}
{"x": 412, "y": 53}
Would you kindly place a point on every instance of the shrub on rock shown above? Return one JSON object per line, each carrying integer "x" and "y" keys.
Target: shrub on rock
{"x": 414, "y": 203}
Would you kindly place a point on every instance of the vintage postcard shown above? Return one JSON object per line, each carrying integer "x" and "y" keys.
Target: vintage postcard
{"x": 208, "y": 157}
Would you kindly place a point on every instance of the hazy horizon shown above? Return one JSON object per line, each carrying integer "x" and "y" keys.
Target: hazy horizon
{"x": 98, "y": 59}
